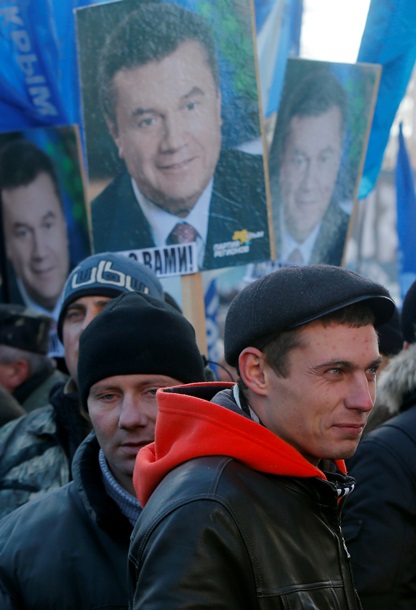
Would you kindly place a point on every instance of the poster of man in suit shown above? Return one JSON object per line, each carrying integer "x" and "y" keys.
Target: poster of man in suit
{"x": 43, "y": 218}
{"x": 177, "y": 93}
{"x": 316, "y": 157}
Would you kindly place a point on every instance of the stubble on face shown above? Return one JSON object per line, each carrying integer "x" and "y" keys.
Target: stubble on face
{"x": 322, "y": 406}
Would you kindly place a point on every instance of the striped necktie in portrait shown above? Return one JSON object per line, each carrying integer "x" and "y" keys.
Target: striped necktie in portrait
{"x": 182, "y": 233}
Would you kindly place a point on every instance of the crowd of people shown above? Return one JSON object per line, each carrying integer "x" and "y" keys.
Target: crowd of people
{"x": 129, "y": 476}
{"x": 141, "y": 482}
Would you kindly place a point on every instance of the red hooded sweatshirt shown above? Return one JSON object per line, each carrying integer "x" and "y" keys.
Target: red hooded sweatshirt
{"x": 189, "y": 426}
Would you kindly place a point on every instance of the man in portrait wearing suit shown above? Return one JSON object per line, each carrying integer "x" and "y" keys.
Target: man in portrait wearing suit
{"x": 309, "y": 221}
{"x": 36, "y": 242}
{"x": 159, "y": 89}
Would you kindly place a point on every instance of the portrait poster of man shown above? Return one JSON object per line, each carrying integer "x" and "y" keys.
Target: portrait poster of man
{"x": 316, "y": 157}
{"x": 43, "y": 217}
{"x": 176, "y": 172}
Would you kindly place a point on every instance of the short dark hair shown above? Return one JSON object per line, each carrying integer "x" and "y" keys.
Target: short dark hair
{"x": 277, "y": 349}
{"x": 21, "y": 162}
{"x": 318, "y": 91}
{"x": 150, "y": 33}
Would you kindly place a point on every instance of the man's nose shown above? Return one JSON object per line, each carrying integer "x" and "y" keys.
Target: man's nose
{"x": 308, "y": 177}
{"x": 362, "y": 393}
{"x": 173, "y": 134}
{"x": 132, "y": 413}
{"x": 38, "y": 244}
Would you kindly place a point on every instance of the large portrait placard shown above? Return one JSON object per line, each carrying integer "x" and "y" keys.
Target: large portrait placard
{"x": 44, "y": 224}
{"x": 174, "y": 141}
{"x": 316, "y": 157}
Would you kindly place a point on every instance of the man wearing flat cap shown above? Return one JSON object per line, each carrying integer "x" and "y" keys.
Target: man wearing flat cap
{"x": 26, "y": 371}
{"x": 243, "y": 486}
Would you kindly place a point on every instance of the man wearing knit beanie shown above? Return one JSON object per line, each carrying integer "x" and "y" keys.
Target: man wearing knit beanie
{"x": 379, "y": 519}
{"x": 135, "y": 346}
{"x": 41, "y": 446}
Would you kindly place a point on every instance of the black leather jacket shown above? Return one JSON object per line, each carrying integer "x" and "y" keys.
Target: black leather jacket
{"x": 216, "y": 533}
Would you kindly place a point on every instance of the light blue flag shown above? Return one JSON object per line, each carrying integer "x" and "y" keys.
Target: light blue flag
{"x": 406, "y": 217}
{"x": 389, "y": 39}
{"x": 278, "y": 27}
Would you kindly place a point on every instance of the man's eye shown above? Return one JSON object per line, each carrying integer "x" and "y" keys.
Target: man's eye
{"x": 191, "y": 105}
{"x": 335, "y": 371}
{"x": 325, "y": 157}
{"x": 298, "y": 161}
{"x": 21, "y": 233}
{"x": 147, "y": 122}
{"x": 107, "y": 397}
{"x": 74, "y": 315}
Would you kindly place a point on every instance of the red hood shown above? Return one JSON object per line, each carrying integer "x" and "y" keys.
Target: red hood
{"x": 188, "y": 427}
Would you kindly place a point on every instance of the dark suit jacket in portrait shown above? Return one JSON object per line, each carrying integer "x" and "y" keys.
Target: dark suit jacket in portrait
{"x": 238, "y": 203}
{"x": 330, "y": 242}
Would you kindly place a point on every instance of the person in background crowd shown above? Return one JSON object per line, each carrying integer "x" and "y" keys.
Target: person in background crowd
{"x": 379, "y": 519}
{"x": 36, "y": 451}
{"x": 391, "y": 343}
{"x": 9, "y": 407}
{"x": 390, "y": 338}
{"x": 243, "y": 486}
{"x": 34, "y": 230}
{"x": 26, "y": 371}
{"x": 135, "y": 346}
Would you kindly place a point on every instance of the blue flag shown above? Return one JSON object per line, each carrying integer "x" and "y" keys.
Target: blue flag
{"x": 278, "y": 27}
{"x": 406, "y": 217}
{"x": 389, "y": 39}
{"x": 211, "y": 319}
{"x": 39, "y": 73}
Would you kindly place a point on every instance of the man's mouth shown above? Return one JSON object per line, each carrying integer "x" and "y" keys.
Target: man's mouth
{"x": 352, "y": 429}
{"x": 177, "y": 166}
{"x": 43, "y": 271}
{"x": 133, "y": 447}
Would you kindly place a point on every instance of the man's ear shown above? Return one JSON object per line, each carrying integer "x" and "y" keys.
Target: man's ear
{"x": 112, "y": 128}
{"x": 17, "y": 373}
{"x": 219, "y": 107}
{"x": 251, "y": 365}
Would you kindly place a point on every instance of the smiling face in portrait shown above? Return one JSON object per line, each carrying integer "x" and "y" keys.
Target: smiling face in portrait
{"x": 168, "y": 126}
{"x": 36, "y": 238}
{"x": 309, "y": 168}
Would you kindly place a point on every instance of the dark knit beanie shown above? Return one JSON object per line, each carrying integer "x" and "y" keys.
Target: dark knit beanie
{"x": 138, "y": 334}
{"x": 390, "y": 337}
{"x": 107, "y": 274}
{"x": 24, "y": 328}
{"x": 293, "y": 296}
{"x": 408, "y": 315}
